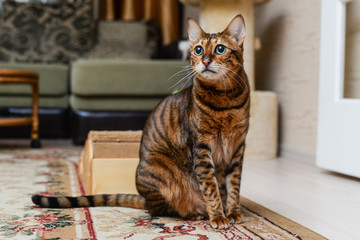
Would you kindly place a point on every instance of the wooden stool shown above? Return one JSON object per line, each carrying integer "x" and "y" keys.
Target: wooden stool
{"x": 9, "y": 76}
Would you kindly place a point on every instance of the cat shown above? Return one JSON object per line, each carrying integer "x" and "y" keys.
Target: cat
{"x": 193, "y": 143}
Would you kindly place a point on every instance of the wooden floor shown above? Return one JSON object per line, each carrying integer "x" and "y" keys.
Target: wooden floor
{"x": 326, "y": 202}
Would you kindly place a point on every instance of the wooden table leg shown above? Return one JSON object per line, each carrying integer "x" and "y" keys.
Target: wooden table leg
{"x": 35, "y": 142}
{"x": 11, "y": 76}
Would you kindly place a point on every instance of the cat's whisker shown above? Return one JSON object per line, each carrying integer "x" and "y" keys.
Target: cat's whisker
{"x": 190, "y": 78}
{"x": 236, "y": 80}
{"x": 236, "y": 75}
{"x": 225, "y": 69}
{"x": 226, "y": 77}
{"x": 180, "y": 72}
{"x": 222, "y": 73}
{"x": 182, "y": 75}
{"x": 187, "y": 75}
{"x": 242, "y": 65}
{"x": 185, "y": 67}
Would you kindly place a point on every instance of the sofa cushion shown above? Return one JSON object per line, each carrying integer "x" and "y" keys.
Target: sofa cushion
{"x": 126, "y": 77}
{"x": 53, "y": 79}
{"x": 123, "y": 31}
{"x": 52, "y": 33}
{"x": 25, "y": 101}
{"x": 121, "y": 50}
{"x": 126, "y": 39}
{"x": 113, "y": 103}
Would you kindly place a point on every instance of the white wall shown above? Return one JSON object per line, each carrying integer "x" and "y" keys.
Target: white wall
{"x": 288, "y": 64}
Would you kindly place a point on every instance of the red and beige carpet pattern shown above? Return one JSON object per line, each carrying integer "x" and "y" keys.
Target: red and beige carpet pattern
{"x": 54, "y": 172}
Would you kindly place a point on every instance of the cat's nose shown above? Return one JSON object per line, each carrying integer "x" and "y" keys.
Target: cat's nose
{"x": 206, "y": 62}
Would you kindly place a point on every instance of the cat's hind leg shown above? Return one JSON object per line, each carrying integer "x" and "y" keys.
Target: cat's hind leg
{"x": 186, "y": 197}
{"x": 169, "y": 191}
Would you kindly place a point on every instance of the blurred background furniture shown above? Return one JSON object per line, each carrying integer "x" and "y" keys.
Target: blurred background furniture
{"x": 99, "y": 46}
{"x": 16, "y": 77}
{"x": 44, "y": 38}
{"x": 53, "y": 100}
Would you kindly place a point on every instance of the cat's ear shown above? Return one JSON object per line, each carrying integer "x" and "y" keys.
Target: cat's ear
{"x": 194, "y": 30}
{"x": 236, "y": 29}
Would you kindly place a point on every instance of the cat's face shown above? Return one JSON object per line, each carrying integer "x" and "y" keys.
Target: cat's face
{"x": 216, "y": 58}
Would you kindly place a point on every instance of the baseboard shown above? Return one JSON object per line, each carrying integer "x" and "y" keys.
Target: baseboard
{"x": 297, "y": 154}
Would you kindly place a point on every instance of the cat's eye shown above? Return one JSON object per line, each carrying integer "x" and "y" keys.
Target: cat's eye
{"x": 198, "y": 51}
{"x": 220, "y": 49}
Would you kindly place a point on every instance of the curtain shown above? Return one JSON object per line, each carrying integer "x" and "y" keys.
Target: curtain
{"x": 164, "y": 12}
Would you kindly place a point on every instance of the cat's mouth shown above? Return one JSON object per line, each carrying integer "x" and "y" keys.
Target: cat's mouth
{"x": 208, "y": 70}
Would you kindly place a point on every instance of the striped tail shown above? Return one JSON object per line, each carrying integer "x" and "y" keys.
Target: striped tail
{"x": 119, "y": 200}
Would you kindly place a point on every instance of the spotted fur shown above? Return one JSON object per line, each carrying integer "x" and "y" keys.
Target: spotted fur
{"x": 193, "y": 143}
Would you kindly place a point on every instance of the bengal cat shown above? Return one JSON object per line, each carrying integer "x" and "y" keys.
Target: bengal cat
{"x": 193, "y": 143}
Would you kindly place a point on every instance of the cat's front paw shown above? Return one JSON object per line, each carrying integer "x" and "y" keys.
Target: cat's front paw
{"x": 235, "y": 217}
{"x": 219, "y": 222}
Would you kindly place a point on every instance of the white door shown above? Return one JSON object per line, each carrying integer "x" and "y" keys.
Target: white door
{"x": 338, "y": 146}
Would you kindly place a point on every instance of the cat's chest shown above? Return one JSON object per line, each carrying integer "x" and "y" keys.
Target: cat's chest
{"x": 230, "y": 134}
{"x": 223, "y": 147}
{"x": 224, "y": 134}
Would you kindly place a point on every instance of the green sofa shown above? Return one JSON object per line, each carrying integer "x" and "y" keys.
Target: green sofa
{"x": 53, "y": 86}
{"x": 121, "y": 85}
{"x": 119, "y": 94}
{"x": 101, "y": 94}
{"x": 110, "y": 83}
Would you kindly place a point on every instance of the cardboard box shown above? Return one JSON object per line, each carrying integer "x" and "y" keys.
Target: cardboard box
{"x": 108, "y": 162}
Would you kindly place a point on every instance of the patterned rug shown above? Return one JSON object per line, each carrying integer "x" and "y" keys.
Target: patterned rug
{"x": 54, "y": 172}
